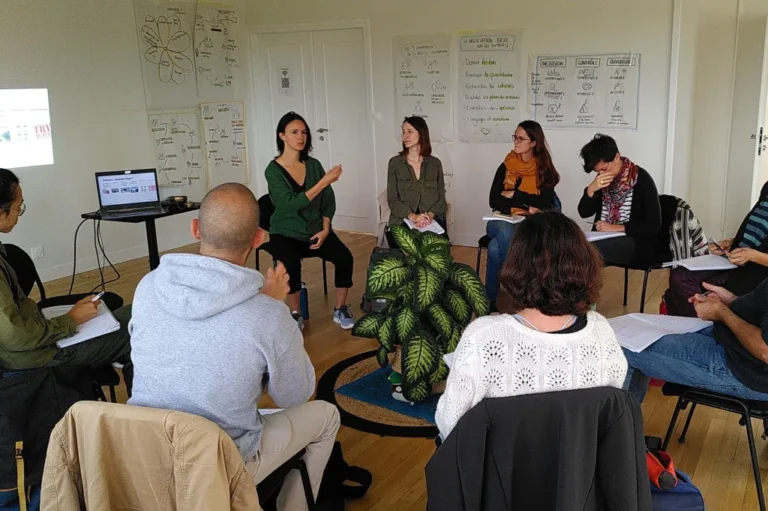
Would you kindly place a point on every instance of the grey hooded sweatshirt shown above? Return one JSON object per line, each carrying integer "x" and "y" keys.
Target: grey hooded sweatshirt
{"x": 205, "y": 341}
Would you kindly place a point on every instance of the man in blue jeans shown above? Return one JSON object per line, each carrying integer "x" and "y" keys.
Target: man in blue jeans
{"x": 730, "y": 357}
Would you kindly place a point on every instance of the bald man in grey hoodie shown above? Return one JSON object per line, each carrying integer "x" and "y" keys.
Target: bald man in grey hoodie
{"x": 207, "y": 334}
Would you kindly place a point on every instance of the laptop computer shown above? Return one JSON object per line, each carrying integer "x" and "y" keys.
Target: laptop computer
{"x": 128, "y": 193}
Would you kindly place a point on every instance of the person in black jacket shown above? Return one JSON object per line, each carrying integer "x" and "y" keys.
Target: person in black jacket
{"x": 622, "y": 198}
{"x": 524, "y": 184}
{"x": 748, "y": 249}
{"x": 580, "y": 450}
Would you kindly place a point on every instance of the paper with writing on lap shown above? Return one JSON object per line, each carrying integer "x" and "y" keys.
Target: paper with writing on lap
{"x": 709, "y": 262}
{"x": 104, "y": 323}
{"x": 593, "y": 236}
{"x": 432, "y": 227}
{"x": 512, "y": 219}
{"x": 636, "y": 332}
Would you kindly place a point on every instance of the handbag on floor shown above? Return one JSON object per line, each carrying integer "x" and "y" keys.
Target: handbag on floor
{"x": 671, "y": 490}
{"x": 335, "y": 487}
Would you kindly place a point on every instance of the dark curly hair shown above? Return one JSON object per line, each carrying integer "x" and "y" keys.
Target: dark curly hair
{"x": 552, "y": 267}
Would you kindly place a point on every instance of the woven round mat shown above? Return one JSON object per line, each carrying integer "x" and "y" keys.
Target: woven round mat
{"x": 365, "y": 416}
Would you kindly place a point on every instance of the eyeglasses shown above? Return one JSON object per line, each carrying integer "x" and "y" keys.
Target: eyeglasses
{"x": 22, "y": 208}
{"x": 520, "y": 139}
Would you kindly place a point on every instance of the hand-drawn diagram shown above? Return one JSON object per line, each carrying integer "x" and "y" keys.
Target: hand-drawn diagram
{"x": 167, "y": 58}
{"x": 590, "y": 91}
{"x": 225, "y": 141}
{"x": 178, "y": 148}
{"x": 167, "y": 41}
{"x": 216, "y": 51}
{"x": 423, "y": 82}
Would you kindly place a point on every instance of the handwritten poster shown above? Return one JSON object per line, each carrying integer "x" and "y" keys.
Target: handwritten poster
{"x": 491, "y": 87}
{"x": 179, "y": 151}
{"x": 586, "y": 91}
{"x": 217, "y": 54}
{"x": 423, "y": 82}
{"x": 167, "y": 57}
{"x": 225, "y": 142}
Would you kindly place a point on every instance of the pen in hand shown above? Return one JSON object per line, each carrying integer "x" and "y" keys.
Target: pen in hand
{"x": 97, "y": 297}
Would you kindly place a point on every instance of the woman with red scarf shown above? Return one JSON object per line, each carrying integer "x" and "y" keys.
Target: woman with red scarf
{"x": 622, "y": 198}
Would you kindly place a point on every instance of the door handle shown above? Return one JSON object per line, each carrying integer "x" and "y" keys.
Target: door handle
{"x": 323, "y": 130}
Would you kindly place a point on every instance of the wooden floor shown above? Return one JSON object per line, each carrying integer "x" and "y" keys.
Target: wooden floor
{"x": 715, "y": 454}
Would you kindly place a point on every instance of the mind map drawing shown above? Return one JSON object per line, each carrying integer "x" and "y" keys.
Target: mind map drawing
{"x": 216, "y": 51}
{"x": 225, "y": 140}
{"x": 167, "y": 41}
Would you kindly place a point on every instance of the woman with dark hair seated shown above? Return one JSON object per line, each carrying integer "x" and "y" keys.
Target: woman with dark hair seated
{"x": 553, "y": 341}
{"x": 304, "y": 206}
{"x": 415, "y": 181}
{"x": 622, "y": 198}
{"x": 27, "y": 338}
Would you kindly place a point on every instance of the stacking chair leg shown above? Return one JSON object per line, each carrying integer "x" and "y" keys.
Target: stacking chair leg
{"x": 645, "y": 288}
{"x": 687, "y": 423}
{"x": 679, "y": 406}
{"x": 325, "y": 278}
{"x": 753, "y": 455}
{"x": 479, "y": 255}
{"x": 626, "y": 285}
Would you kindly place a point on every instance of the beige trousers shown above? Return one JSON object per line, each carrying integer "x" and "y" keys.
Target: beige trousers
{"x": 313, "y": 426}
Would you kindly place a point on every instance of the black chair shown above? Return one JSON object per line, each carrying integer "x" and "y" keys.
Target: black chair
{"x": 482, "y": 243}
{"x": 269, "y": 487}
{"x": 27, "y": 275}
{"x": 746, "y": 408}
{"x": 266, "y": 208}
{"x": 663, "y": 253}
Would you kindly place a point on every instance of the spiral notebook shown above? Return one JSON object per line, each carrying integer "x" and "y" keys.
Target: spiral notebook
{"x": 104, "y": 323}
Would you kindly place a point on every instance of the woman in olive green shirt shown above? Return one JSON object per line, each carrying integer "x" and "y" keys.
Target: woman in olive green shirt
{"x": 415, "y": 182}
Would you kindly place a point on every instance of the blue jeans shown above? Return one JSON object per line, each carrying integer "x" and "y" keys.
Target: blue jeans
{"x": 695, "y": 360}
{"x": 501, "y": 234}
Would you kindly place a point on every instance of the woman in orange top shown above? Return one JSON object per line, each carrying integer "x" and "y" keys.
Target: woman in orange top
{"x": 524, "y": 184}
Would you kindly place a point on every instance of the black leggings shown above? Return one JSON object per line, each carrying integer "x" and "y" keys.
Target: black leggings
{"x": 291, "y": 251}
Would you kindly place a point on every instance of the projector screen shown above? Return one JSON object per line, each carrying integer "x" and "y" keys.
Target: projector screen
{"x": 25, "y": 128}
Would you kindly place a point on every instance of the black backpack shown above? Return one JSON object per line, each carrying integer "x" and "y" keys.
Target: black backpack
{"x": 334, "y": 489}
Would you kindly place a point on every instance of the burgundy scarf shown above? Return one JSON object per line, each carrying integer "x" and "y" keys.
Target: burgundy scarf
{"x": 616, "y": 193}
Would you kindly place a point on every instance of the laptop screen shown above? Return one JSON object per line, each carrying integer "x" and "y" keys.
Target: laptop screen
{"x": 127, "y": 188}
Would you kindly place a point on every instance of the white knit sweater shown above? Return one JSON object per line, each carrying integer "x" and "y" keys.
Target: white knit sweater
{"x": 498, "y": 356}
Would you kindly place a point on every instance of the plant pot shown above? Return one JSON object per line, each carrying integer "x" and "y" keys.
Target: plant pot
{"x": 396, "y": 364}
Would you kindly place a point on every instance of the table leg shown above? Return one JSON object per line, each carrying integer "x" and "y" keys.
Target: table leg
{"x": 154, "y": 255}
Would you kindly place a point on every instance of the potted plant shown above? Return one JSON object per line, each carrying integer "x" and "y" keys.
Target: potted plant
{"x": 429, "y": 298}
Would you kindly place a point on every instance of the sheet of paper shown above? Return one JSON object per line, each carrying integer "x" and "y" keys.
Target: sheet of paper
{"x": 433, "y": 227}
{"x": 709, "y": 262}
{"x": 635, "y": 334}
{"x": 448, "y": 357}
{"x": 269, "y": 411}
{"x": 593, "y": 236}
{"x": 225, "y": 142}
{"x": 104, "y": 323}
{"x": 217, "y": 52}
{"x": 423, "y": 82}
{"x": 514, "y": 219}
{"x": 673, "y": 324}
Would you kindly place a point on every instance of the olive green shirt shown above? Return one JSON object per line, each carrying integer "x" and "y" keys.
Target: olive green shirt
{"x": 27, "y": 339}
{"x": 406, "y": 194}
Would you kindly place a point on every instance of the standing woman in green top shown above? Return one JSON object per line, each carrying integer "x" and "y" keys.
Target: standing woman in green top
{"x": 415, "y": 182}
{"x": 304, "y": 206}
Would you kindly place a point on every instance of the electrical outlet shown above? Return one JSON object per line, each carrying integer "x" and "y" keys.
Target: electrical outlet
{"x": 38, "y": 252}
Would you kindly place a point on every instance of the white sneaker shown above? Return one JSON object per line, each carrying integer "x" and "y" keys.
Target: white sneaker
{"x": 343, "y": 316}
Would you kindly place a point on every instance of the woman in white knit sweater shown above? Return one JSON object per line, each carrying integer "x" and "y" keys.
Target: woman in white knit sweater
{"x": 553, "y": 341}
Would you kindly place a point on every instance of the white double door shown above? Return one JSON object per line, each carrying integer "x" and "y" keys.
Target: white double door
{"x": 321, "y": 75}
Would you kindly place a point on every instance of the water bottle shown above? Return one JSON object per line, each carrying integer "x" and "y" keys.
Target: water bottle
{"x": 304, "y": 302}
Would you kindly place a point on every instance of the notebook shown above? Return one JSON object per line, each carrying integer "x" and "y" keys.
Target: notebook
{"x": 104, "y": 323}
{"x": 709, "y": 262}
{"x": 593, "y": 236}
{"x": 512, "y": 219}
{"x": 636, "y": 332}
{"x": 432, "y": 227}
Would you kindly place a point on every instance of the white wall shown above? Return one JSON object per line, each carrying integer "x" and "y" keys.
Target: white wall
{"x": 553, "y": 26}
